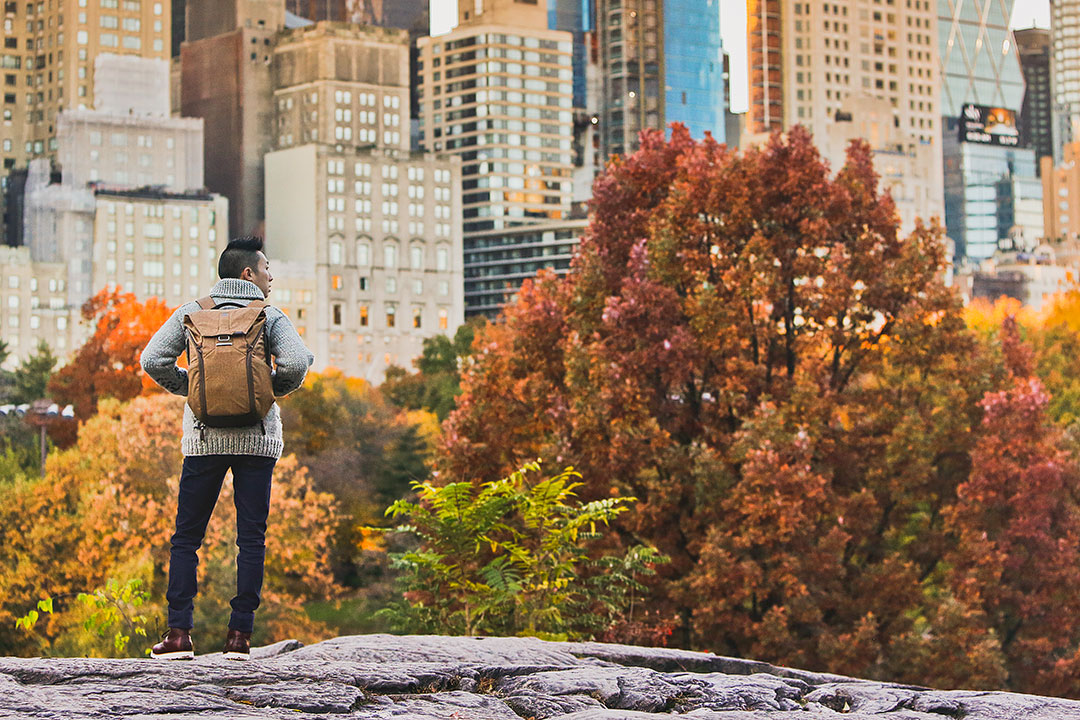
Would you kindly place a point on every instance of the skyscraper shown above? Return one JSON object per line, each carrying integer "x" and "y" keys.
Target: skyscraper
{"x": 844, "y": 70}
{"x": 48, "y": 61}
{"x": 498, "y": 91}
{"x": 370, "y": 232}
{"x": 979, "y": 60}
{"x": 991, "y": 185}
{"x": 661, "y": 62}
{"x": 765, "y": 66}
{"x": 1036, "y": 113}
{"x": 236, "y": 105}
{"x": 1065, "y": 73}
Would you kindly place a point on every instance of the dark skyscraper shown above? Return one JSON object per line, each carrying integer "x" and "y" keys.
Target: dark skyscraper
{"x": 1036, "y": 118}
{"x": 178, "y": 25}
{"x": 574, "y": 16}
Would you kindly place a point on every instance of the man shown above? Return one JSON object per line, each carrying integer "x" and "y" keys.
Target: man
{"x": 251, "y": 452}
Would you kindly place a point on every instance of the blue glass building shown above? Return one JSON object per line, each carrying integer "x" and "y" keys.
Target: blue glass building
{"x": 694, "y": 67}
{"x": 988, "y": 190}
{"x": 574, "y": 16}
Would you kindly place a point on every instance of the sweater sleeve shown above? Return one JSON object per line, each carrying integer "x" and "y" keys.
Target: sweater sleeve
{"x": 291, "y": 357}
{"x": 159, "y": 357}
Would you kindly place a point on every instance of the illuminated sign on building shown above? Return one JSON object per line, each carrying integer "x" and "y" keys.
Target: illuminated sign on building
{"x": 988, "y": 126}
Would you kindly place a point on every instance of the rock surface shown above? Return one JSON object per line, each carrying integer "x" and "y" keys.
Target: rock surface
{"x": 441, "y": 678}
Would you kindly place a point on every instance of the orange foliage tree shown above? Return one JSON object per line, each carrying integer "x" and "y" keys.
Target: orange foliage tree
{"x": 748, "y": 345}
{"x": 107, "y": 364}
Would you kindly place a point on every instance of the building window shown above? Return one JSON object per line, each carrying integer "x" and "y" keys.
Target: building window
{"x": 363, "y": 316}
{"x": 442, "y": 259}
{"x": 335, "y": 253}
{"x": 337, "y": 313}
{"x": 390, "y": 255}
{"x": 417, "y": 315}
{"x": 444, "y": 318}
{"x": 416, "y": 257}
{"x": 335, "y": 282}
{"x": 391, "y": 311}
{"x": 363, "y": 254}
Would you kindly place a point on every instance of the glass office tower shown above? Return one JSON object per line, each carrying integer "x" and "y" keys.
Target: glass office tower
{"x": 574, "y": 16}
{"x": 694, "y": 67}
{"x": 989, "y": 189}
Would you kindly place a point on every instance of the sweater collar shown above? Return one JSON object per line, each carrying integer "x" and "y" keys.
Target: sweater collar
{"x": 237, "y": 290}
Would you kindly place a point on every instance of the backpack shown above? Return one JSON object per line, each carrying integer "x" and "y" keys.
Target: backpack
{"x": 229, "y": 370}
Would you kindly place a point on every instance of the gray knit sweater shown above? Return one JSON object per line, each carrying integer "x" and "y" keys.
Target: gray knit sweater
{"x": 291, "y": 359}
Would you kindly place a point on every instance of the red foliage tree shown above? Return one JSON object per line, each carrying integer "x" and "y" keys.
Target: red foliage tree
{"x": 748, "y": 346}
{"x": 1017, "y": 520}
{"x": 107, "y": 365}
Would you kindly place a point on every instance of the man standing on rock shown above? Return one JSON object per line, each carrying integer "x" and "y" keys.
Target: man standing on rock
{"x": 230, "y": 422}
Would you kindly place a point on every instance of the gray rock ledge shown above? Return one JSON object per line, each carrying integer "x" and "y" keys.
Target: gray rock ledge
{"x": 442, "y": 678}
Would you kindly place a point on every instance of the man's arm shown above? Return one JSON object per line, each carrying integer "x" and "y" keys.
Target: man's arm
{"x": 159, "y": 357}
{"x": 291, "y": 357}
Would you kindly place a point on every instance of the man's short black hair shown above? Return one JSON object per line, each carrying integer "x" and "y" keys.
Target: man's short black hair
{"x": 242, "y": 252}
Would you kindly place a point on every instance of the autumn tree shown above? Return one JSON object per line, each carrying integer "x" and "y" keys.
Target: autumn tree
{"x": 31, "y": 378}
{"x": 748, "y": 345}
{"x": 107, "y": 365}
{"x": 105, "y": 511}
{"x": 437, "y": 381}
{"x": 363, "y": 451}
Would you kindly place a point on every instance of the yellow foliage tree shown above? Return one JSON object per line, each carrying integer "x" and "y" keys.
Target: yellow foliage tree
{"x": 106, "y": 509}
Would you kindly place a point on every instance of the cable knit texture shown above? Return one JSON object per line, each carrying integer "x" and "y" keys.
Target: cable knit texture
{"x": 291, "y": 362}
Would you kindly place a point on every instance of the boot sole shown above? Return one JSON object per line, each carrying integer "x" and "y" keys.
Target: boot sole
{"x": 236, "y": 656}
{"x": 178, "y": 655}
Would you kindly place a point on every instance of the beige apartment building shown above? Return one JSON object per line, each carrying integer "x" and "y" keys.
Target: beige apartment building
{"x": 33, "y": 306}
{"x": 809, "y": 58}
{"x": 341, "y": 84}
{"x": 1061, "y": 194}
{"x": 158, "y": 244}
{"x": 497, "y": 91}
{"x": 49, "y": 60}
{"x": 366, "y": 250}
{"x": 114, "y": 150}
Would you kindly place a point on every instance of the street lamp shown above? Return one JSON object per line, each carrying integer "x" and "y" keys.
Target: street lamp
{"x": 41, "y": 413}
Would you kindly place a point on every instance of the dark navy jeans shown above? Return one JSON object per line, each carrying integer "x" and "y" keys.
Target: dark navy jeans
{"x": 200, "y": 484}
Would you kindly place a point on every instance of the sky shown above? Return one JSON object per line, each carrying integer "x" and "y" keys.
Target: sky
{"x": 1026, "y": 13}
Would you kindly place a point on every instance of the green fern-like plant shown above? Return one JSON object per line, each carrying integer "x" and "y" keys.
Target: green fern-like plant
{"x": 509, "y": 557}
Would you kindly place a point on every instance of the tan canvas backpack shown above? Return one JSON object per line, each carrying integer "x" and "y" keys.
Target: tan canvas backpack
{"x": 229, "y": 370}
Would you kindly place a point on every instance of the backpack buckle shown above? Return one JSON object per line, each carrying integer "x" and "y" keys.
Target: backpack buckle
{"x": 224, "y": 340}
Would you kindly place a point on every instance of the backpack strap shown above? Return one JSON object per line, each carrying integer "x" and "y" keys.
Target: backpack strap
{"x": 207, "y": 303}
{"x": 257, "y": 304}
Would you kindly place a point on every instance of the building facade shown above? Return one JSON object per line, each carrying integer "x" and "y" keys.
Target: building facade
{"x": 1065, "y": 74}
{"x": 369, "y": 243}
{"x": 49, "y": 58}
{"x": 1036, "y": 112}
{"x": 764, "y": 32}
{"x": 852, "y": 69}
{"x": 497, "y": 262}
{"x": 33, "y": 306}
{"x": 989, "y": 190}
{"x": 497, "y": 92}
{"x": 364, "y": 235}
{"x": 979, "y": 59}
{"x": 1061, "y": 195}
{"x": 991, "y": 181}
{"x": 130, "y": 151}
{"x": 658, "y": 68}
{"x": 236, "y": 106}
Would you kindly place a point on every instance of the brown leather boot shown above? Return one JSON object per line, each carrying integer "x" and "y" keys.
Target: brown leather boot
{"x": 237, "y": 645}
{"x": 175, "y": 645}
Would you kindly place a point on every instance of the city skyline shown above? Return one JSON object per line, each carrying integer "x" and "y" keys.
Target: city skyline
{"x": 1035, "y": 13}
